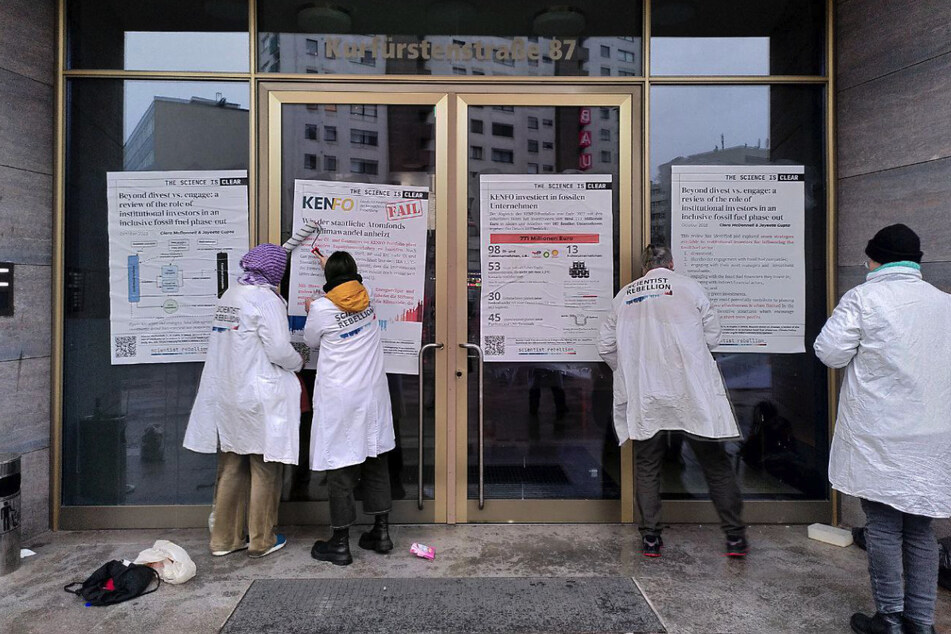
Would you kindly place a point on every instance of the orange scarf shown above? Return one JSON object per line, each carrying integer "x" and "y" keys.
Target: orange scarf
{"x": 350, "y": 297}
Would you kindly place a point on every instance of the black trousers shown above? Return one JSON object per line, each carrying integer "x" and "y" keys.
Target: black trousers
{"x": 717, "y": 470}
{"x": 374, "y": 474}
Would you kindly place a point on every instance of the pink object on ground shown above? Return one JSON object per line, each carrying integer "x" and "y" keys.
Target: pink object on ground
{"x": 421, "y": 550}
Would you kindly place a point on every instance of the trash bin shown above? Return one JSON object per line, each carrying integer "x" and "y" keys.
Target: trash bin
{"x": 9, "y": 513}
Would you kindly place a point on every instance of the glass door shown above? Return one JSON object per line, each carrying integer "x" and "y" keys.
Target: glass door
{"x": 546, "y": 186}
{"x": 482, "y": 437}
{"x": 377, "y": 149}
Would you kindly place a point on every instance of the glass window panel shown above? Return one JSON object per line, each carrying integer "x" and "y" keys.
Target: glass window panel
{"x": 755, "y": 125}
{"x": 165, "y": 35}
{"x": 123, "y": 424}
{"x": 548, "y": 426}
{"x": 449, "y": 37}
{"x": 403, "y": 154}
{"x": 737, "y": 37}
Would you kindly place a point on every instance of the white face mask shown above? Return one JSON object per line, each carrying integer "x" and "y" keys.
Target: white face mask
{"x": 867, "y": 267}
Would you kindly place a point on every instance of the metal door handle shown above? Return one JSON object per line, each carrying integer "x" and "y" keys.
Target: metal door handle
{"x": 422, "y": 351}
{"x": 472, "y": 346}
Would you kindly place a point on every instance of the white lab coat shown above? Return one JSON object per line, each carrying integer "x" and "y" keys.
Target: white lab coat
{"x": 248, "y": 400}
{"x": 657, "y": 339}
{"x": 353, "y": 418}
{"x": 892, "y": 441}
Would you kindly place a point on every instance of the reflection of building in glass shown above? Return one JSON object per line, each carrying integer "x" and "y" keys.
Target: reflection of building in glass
{"x": 612, "y": 56}
{"x": 660, "y": 188}
{"x": 327, "y": 140}
{"x": 198, "y": 131}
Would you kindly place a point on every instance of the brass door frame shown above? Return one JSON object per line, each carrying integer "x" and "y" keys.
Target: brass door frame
{"x": 90, "y": 517}
{"x": 451, "y": 101}
{"x": 628, "y": 100}
{"x": 273, "y": 97}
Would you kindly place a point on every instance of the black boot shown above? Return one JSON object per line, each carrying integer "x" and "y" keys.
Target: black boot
{"x": 880, "y": 623}
{"x": 336, "y": 550}
{"x": 378, "y": 537}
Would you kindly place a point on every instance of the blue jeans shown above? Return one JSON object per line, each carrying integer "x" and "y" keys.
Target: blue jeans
{"x": 898, "y": 542}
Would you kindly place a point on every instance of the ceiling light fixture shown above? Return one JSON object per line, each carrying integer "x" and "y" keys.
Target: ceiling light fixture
{"x": 559, "y": 20}
{"x": 321, "y": 17}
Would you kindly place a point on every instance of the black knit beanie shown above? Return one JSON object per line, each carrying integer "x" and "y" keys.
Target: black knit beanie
{"x": 894, "y": 243}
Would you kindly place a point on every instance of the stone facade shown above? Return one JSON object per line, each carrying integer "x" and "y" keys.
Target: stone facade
{"x": 27, "y": 71}
{"x": 893, "y": 87}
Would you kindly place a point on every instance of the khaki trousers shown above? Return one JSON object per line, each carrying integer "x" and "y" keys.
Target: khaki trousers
{"x": 247, "y": 492}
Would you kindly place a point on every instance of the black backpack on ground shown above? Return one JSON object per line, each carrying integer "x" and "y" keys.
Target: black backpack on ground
{"x": 116, "y": 582}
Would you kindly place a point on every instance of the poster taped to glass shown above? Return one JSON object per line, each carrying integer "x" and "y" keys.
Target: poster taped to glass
{"x": 739, "y": 230}
{"x": 384, "y": 228}
{"x": 547, "y": 265}
{"x": 175, "y": 241}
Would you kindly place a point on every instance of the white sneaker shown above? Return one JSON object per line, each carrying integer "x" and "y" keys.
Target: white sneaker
{"x": 281, "y": 543}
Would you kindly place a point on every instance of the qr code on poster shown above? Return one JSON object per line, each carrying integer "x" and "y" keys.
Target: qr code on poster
{"x": 126, "y": 347}
{"x": 494, "y": 345}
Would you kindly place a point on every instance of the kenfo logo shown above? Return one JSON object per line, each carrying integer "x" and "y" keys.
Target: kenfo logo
{"x": 323, "y": 203}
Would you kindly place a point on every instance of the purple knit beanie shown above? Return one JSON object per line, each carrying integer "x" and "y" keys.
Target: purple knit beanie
{"x": 264, "y": 264}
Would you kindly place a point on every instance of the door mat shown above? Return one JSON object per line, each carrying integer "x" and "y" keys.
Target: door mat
{"x": 435, "y": 605}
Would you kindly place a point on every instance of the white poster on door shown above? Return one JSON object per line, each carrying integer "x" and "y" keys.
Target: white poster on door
{"x": 547, "y": 265}
{"x": 739, "y": 230}
{"x": 384, "y": 228}
{"x": 175, "y": 240}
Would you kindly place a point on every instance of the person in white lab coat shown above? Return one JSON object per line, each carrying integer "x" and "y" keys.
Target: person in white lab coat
{"x": 657, "y": 340}
{"x": 353, "y": 419}
{"x": 248, "y": 406}
{"x": 892, "y": 442}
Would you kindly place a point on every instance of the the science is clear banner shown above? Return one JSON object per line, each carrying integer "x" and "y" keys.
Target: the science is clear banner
{"x": 547, "y": 265}
{"x": 384, "y": 228}
{"x": 739, "y": 230}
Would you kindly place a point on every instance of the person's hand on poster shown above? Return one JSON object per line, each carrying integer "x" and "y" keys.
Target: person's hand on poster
{"x": 320, "y": 256}
{"x": 307, "y": 302}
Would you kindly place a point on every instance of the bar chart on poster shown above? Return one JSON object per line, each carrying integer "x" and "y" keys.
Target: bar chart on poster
{"x": 547, "y": 270}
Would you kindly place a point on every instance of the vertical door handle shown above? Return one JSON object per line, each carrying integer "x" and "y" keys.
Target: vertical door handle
{"x": 422, "y": 351}
{"x": 478, "y": 350}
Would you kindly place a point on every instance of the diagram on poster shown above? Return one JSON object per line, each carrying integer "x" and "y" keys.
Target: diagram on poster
{"x": 384, "y": 228}
{"x": 739, "y": 230}
{"x": 547, "y": 265}
{"x": 175, "y": 240}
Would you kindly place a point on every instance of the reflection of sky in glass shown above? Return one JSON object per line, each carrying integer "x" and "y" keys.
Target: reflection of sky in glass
{"x": 710, "y": 56}
{"x": 169, "y": 50}
{"x": 140, "y": 94}
{"x": 689, "y": 120}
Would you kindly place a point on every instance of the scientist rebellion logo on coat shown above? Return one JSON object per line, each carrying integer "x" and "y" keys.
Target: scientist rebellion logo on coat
{"x": 654, "y": 287}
